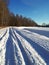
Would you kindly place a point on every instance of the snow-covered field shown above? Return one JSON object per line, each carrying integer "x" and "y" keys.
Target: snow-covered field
{"x": 24, "y": 46}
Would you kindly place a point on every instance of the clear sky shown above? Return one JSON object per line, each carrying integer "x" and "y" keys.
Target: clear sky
{"x": 38, "y": 10}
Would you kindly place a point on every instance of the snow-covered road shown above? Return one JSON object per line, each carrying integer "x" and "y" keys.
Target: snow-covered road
{"x": 24, "y": 46}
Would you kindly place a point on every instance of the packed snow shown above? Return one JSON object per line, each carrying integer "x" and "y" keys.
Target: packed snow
{"x": 24, "y": 46}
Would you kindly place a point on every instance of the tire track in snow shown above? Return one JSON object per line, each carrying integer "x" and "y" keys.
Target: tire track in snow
{"x": 16, "y": 49}
{"x": 18, "y": 55}
{"x": 3, "y": 47}
{"x": 31, "y": 53}
{"x": 26, "y": 59}
{"x": 9, "y": 55}
{"x": 13, "y": 53}
{"x": 18, "y": 52}
{"x": 43, "y": 53}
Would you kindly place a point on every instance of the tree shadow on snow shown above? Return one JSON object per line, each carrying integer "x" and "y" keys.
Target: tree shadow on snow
{"x": 41, "y": 32}
{"x": 41, "y": 51}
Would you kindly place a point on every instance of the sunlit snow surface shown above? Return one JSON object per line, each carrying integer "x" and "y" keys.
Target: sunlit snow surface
{"x": 24, "y": 46}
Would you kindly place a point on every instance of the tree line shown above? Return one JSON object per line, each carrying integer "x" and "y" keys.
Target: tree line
{"x": 19, "y": 20}
{"x": 9, "y": 19}
{"x": 43, "y": 25}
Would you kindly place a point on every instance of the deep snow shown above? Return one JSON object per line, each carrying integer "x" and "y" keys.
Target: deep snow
{"x": 24, "y": 46}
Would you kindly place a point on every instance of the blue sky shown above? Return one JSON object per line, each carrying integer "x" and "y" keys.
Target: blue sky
{"x": 38, "y": 10}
